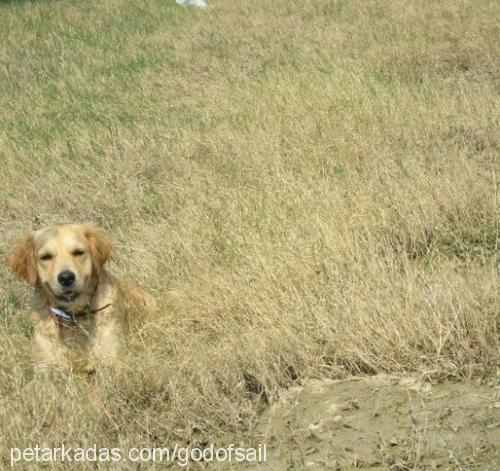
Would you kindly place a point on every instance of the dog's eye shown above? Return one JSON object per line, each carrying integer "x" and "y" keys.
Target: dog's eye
{"x": 78, "y": 252}
{"x": 46, "y": 256}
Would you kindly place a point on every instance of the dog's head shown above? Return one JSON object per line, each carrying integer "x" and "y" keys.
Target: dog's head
{"x": 64, "y": 260}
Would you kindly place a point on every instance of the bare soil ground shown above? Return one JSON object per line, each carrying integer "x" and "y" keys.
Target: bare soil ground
{"x": 382, "y": 423}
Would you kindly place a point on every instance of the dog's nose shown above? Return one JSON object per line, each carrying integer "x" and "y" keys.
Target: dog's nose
{"x": 66, "y": 278}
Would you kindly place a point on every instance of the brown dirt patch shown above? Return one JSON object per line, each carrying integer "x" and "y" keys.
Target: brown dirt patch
{"x": 382, "y": 423}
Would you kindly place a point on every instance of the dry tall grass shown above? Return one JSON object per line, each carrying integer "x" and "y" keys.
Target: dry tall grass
{"x": 309, "y": 188}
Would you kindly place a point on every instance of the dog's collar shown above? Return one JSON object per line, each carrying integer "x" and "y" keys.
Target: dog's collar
{"x": 67, "y": 315}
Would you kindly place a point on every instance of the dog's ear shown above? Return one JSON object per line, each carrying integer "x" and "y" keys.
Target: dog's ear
{"x": 99, "y": 245}
{"x": 22, "y": 259}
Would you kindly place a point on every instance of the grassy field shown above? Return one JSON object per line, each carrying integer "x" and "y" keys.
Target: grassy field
{"x": 309, "y": 189}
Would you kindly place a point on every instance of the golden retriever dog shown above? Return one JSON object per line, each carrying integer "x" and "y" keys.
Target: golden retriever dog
{"x": 80, "y": 310}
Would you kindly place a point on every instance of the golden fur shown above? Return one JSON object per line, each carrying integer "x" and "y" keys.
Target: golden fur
{"x": 98, "y": 303}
